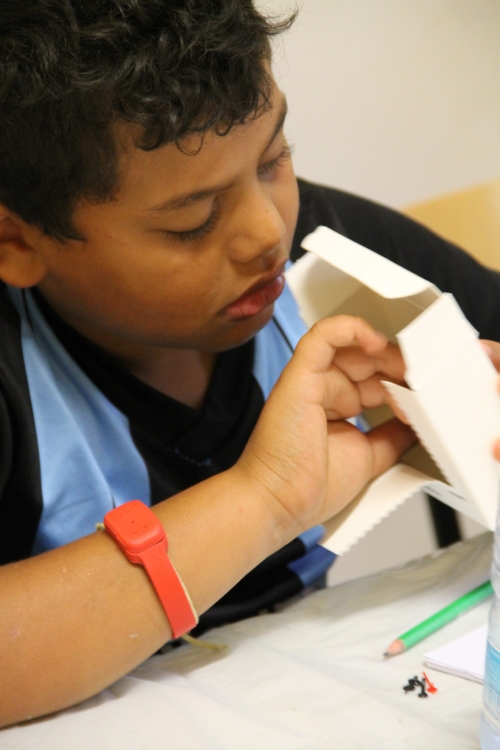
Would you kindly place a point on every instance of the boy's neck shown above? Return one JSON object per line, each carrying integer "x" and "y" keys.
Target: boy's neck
{"x": 182, "y": 374}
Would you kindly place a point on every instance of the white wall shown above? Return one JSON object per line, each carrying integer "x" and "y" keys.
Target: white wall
{"x": 397, "y": 100}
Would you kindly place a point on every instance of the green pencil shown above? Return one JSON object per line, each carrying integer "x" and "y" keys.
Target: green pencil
{"x": 441, "y": 618}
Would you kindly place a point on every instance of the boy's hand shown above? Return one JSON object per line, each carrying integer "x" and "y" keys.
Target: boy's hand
{"x": 302, "y": 452}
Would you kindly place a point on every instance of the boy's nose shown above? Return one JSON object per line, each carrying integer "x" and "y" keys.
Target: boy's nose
{"x": 259, "y": 229}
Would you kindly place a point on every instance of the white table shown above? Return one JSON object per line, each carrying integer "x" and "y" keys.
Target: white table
{"x": 312, "y": 676}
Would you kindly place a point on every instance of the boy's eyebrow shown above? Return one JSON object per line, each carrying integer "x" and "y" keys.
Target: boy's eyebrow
{"x": 182, "y": 201}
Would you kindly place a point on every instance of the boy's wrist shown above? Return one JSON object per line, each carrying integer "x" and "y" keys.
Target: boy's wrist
{"x": 261, "y": 484}
{"x": 220, "y": 530}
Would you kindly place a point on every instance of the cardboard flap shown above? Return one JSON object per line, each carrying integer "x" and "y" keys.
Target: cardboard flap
{"x": 325, "y": 282}
{"x": 315, "y": 284}
{"x": 432, "y": 339}
{"x": 410, "y": 404}
{"x": 371, "y": 270}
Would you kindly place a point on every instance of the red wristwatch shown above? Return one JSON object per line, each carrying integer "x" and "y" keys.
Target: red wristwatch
{"x": 139, "y": 533}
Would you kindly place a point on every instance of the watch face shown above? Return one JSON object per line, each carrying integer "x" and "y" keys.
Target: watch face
{"x": 135, "y": 526}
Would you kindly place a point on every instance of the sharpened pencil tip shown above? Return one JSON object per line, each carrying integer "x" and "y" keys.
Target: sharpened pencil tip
{"x": 396, "y": 647}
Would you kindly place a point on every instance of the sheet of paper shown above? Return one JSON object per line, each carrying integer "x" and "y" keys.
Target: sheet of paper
{"x": 463, "y": 657}
{"x": 451, "y": 400}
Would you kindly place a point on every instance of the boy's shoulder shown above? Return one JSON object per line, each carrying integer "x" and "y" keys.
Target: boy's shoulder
{"x": 12, "y": 370}
{"x": 19, "y": 475}
{"x": 381, "y": 229}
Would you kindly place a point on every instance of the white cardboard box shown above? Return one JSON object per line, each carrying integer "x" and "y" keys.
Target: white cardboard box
{"x": 451, "y": 401}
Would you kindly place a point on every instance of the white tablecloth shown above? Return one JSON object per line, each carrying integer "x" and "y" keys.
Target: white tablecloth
{"x": 312, "y": 676}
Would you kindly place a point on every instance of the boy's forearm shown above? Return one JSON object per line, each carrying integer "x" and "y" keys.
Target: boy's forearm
{"x": 75, "y": 619}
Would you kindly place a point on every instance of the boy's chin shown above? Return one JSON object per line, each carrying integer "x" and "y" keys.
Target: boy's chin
{"x": 239, "y": 332}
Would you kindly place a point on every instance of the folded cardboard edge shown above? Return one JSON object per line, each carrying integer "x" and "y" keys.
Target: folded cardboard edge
{"x": 376, "y": 502}
{"x": 371, "y": 269}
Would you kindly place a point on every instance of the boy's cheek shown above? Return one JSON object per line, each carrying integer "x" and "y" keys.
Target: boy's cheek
{"x": 287, "y": 202}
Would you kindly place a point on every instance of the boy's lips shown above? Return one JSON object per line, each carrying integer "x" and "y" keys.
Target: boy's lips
{"x": 256, "y": 299}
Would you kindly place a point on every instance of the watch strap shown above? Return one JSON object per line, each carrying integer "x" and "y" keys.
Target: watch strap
{"x": 141, "y": 537}
{"x": 171, "y": 591}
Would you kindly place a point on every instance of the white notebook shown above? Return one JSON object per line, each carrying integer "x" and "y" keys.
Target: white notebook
{"x": 464, "y": 657}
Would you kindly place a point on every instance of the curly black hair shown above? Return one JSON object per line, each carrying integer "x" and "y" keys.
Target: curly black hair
{"x": 70, "y": 69}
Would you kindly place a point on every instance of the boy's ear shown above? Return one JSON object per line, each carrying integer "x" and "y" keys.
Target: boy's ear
{"x": 21, "y": 263}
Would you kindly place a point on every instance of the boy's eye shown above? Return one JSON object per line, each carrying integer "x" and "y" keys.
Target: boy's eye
{"x": 270, "y": 166}
{"x": 191, "y": 235}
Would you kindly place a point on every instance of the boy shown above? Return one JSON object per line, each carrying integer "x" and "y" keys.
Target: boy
{"x": 148, "y": 206}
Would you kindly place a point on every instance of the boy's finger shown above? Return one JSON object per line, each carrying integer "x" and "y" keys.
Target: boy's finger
{"x": 319, "y": 345}
{"x": 496, "y": 450}
{"x": 358, "y": 365}
{"x": 492, "y": 349}
{"x": 341, "y": 397}
{"x": 372, "y": 393}
{"x": 388, "y": 442}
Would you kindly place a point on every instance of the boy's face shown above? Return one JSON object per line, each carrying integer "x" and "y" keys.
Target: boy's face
{"x": 190, "y": 254}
